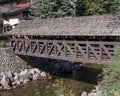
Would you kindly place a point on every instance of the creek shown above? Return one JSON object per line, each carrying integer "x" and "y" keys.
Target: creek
{"x": 59, "y": 85}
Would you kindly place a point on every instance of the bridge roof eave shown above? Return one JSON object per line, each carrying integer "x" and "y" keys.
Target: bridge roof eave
{"x": 115, "y": 35}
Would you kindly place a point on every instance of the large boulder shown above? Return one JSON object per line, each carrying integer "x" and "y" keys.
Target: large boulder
{"x": 43, "y": 74}
{"x": 16, "y": 80}
{"x": 84, "y": 94}
{"x": 36, "y": 76}
{"x": 34, "y": 70}
{"x": 25, "y": 74}
{"x": 10, "y": 74}
{"x": 4, "y": 82}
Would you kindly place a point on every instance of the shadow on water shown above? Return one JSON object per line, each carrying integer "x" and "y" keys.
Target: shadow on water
{"x": 89, "y": 75}
{"x": 88, "y": 72}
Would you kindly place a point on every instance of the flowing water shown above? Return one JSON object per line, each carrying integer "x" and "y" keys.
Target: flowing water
{"x": 62, "y": 85}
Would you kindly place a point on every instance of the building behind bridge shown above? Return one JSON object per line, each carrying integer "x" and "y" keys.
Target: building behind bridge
{"x": 12, "y": 12}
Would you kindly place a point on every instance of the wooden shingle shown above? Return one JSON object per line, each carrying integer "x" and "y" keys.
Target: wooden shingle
{"x": 84, "y": 26}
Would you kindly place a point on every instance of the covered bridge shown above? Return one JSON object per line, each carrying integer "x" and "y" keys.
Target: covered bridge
{"x": 88, "y": 39}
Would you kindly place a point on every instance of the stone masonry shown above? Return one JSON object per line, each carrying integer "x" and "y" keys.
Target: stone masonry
{"x": 9, "y": 61}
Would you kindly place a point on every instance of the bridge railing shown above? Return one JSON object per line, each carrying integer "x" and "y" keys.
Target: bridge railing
{"x": 98, "y": 52}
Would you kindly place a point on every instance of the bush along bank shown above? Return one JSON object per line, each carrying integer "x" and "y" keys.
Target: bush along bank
{"x": 111, "y": 77}
{"x": 11, "y": 80}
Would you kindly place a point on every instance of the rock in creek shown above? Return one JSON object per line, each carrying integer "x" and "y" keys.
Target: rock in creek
{"x": 25, "y": 74}
{"x": 62, "y": 66}
{"x": 4, "y": 82}
{"x": 12, "y": 80}
{"x": 84, "y": 94}
{"x": 95, "y": 92}
{"x": 36, "y": 76}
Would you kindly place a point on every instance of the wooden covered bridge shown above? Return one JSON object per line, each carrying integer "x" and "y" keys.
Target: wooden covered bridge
{"x": 89, "y": 39}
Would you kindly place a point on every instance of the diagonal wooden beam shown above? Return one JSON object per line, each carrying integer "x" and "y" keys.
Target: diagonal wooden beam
{"x": 21, "y": 45}
{"x": 107, "y": 52}
{"x": 13, "y": 45}
{"x": 35, "y": 47}
{"x": 27, "y": 46}
{"x": 81, "y": 50}
{"x": 94, "y": 52}
{"x": 42, "y": 48}
{"x": 69, "y": 49}
{"x": 60, "y": 49}
{"x": 50, "y": 50}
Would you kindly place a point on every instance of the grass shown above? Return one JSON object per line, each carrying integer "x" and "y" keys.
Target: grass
{"x": 61, "y": 89}
{"x": 2, "y": 45}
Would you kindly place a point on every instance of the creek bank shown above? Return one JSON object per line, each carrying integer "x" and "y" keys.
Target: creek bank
{"x": 11, "y": 80}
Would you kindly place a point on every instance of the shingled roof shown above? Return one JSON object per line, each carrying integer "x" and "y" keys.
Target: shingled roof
{"x": 86, "y": 25}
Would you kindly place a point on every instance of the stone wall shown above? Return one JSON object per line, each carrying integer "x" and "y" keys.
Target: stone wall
{"x": 9, "y": 61}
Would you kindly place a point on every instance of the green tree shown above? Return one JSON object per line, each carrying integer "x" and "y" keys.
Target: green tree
{"x": 98, "y": 7}
{"x": 73, "y": 8}
{"x": 55, "y": 8}
{"x": 118, "y": 7}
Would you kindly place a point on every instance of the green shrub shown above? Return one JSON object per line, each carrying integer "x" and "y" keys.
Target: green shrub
{"x": 2, "y": 45}
{"x": 111, "y": 77}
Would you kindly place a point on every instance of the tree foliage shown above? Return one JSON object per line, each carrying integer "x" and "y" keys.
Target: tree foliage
{"x": 118, "y": 7}
{"x": 54, "y": 8}
{"x": 73, "y": 8}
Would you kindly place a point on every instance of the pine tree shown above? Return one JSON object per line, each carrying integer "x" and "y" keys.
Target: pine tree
{"x": 55, "y": 8}
{"x": 73, "y": 8}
